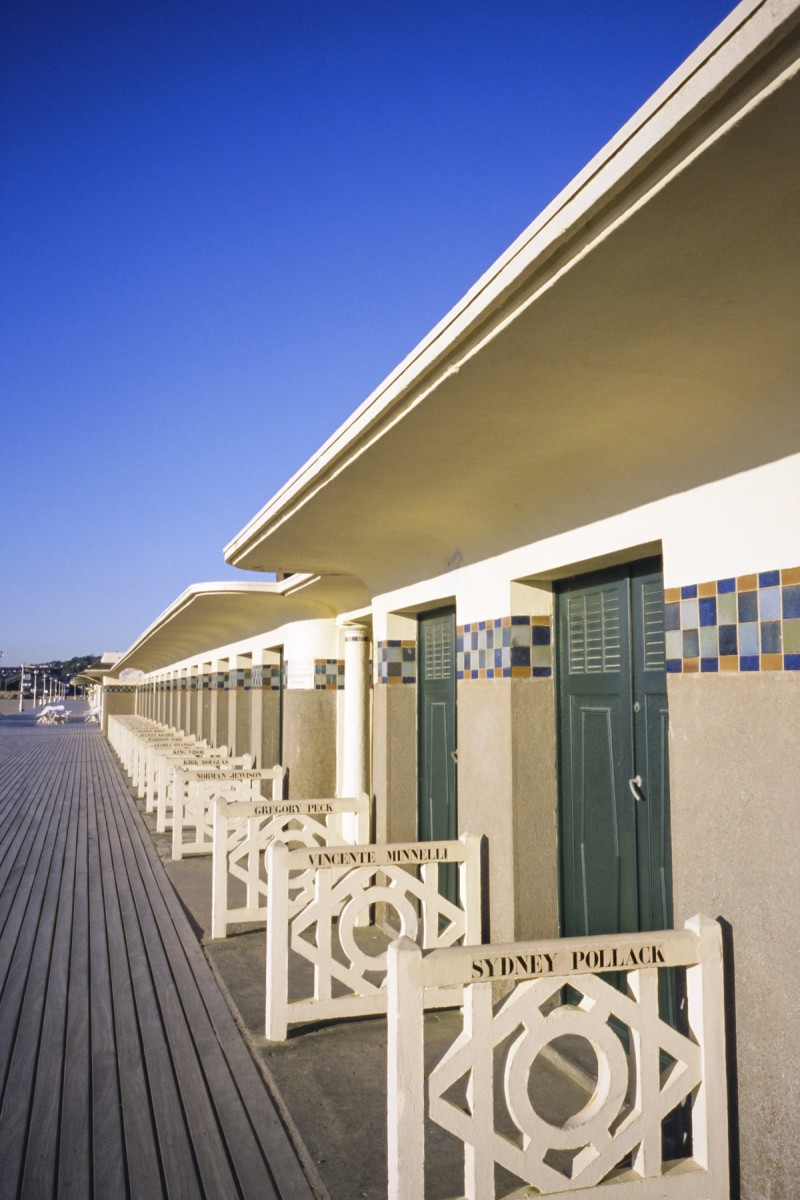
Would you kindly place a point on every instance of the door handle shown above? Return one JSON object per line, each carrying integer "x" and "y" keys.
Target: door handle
{"x": 454, "y": 756}
{"x": 635, "y": 785}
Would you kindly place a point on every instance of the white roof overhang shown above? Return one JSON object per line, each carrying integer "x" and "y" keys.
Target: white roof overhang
{"x": 210, "y": 615}
{"x": 638, "y": 339}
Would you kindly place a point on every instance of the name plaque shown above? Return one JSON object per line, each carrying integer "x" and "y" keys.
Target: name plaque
{"x": 379, "y": 856}
{"x": 562, "y": 958}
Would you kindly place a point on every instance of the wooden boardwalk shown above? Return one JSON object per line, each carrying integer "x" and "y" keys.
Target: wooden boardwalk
{"x": 122, "y": 1073}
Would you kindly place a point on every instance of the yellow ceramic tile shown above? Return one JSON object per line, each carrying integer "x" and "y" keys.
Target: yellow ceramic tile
{"x": 791, "y": 575}
{"x": 691, "y": 666}
{"x": 746, "y": 583}
{"x": 671, "y": 595}
{"x": 729, "y": 662}
{"x": 708, "y": 589}
{"x": 771, "y": 662}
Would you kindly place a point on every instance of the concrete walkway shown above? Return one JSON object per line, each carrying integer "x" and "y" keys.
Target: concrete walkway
{"x": 123, "y": 1075}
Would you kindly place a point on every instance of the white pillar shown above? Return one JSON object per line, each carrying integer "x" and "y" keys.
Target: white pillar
{"x": 356, "y": 745}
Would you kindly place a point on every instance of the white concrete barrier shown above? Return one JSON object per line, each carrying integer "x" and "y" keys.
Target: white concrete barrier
{"x": 194, "y": 791}
{"x": 243, "y": 831}
{"x": 645, "y": 1068}
{"x": 329, "y": 928}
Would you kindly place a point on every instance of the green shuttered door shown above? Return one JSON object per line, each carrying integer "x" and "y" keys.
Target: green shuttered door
{"x": 615, "y": 866}
{"x": 437, "y": 731}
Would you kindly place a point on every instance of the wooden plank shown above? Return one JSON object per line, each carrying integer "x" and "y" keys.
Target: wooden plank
{"x": 36, "y": 980}
{"x": 124, "y": 1076}
{"x": 165, "y": 1029}
{"x": 40, "y": 1170}
{"x": 259, "y": 1109}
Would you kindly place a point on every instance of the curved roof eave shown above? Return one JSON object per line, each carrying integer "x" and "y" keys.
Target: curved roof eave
{"x": 701, "y": 98}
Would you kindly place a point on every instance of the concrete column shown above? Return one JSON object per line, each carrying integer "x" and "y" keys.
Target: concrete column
{"x": 219, "y": 703}
{"x": 240, "y": 667}
{"x": 355, "y": 773}
{"x": 204, "y": 697}
{"x": 265, "y": 710}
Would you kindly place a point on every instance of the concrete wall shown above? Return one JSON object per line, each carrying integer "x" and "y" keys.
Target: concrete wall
{"x": 116, "y": 702}
{"x": 507, "y": 792}
{"x": 735, "y": 838}
{"x": 309, "y": 742}
{"x": 394, "y": 762}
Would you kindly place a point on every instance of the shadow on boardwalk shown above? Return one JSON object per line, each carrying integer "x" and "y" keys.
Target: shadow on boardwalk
{"x": 122, "y": 1072}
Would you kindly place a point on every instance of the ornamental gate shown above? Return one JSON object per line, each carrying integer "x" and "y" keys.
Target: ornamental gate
{"x": 483, "y": 1089}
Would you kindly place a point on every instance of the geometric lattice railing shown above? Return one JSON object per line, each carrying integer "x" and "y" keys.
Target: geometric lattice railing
{"x": 243, "y": 831}
{"x": 331, "y": 930}
{"x": 483, "y": 1092}
{"x": 195, "y": 790}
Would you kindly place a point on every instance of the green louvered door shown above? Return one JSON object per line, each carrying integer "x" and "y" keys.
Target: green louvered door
{"x": 614, "y": 811}
{"x": 436, "y": 657}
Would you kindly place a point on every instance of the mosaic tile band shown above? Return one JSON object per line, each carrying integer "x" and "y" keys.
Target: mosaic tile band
{"x": 743, "y": 623}
{"x": 328, "y": 674}
{"x": 505, "y": 648}
{"x": 397, "y": 662}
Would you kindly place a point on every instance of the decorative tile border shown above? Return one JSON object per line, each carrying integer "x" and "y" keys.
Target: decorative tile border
{"x": 234, "y": 679}
{"x": 397, "y": 662}
{"x": 266, "y": 676}
{"x": 505, "y": 648}
{"x": 743, "y": 623}
{"x": 328, "y": 674}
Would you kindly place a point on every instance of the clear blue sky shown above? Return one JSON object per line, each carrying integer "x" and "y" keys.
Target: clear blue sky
{"x": 223, "y": 223}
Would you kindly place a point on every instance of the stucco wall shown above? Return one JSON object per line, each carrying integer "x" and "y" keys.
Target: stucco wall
{"x": 309, "y": 742}
{"x": 735, "y": 834}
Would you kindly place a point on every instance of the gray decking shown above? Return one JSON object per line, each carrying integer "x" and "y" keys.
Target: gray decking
{"x": 122, "y": 1072}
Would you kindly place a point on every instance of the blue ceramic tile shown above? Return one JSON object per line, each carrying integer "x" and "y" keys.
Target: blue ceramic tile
{"x": 459, "y": 674}
{"x": 691, "y": 643}
{"x": 769, "y": 604}
{"x": 791, "y": 662}
{"x": 481, "y": 624}
{"x": 771, "y": 637}
{"x": 689, "y": 592}
{"x": 542, "y": 672}
{"x": 768, "y": 578}
{"x": 541, "y": 635}
{"x": 674, "y": 666}
{"x": 725, "y": 585}
{"x": 520, "y": 620}
{"x": 497, "y": 622}
{"x": 791, "y": 600}
{"x": 748, "y": 607}
{"x": 474, "y": 674}
{"x": 749, "y": 662}
{"x": 728, "y": 643}
{"x": 672, "y": 615}
{"x": 409, "y": 654}
{"x": 708, "y": 610}
{"x": 749, "y": 641}
{"x": 498, "y": 658}
{"x": 507, "y": 636}
{"x": 709, "y": 665}
{"x": 520, "y": 656}
{"x": 481, "y": 658}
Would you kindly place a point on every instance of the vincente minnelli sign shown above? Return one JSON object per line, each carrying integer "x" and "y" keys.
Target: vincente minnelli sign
{"x": 378, "y": 856}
